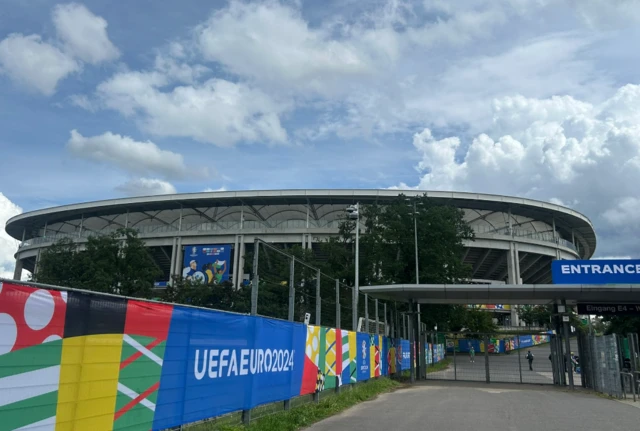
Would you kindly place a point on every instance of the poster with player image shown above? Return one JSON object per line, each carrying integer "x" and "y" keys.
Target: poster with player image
{"x": 208, "y": 264}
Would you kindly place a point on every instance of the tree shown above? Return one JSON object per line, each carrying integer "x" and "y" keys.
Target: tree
{"x": 389, "y": 242}
{"x": 622, "y": 325}
{"x": 116, "y": 263}
{"x": 387, "y": 251}
{"x": 538, "y": 315}
{"x": 478, "y": 322}
{"x": 222, "y": 296}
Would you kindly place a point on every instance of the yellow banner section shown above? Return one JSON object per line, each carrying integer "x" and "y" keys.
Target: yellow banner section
{"x": 88, "y": 382}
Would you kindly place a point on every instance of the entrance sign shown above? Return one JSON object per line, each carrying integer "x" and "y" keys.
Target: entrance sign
{"x": 609, "y": 309}
{"x": 616, "y": 271}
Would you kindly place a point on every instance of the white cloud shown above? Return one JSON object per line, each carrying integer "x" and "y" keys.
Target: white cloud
{"x": 146, "y": 187}
{"x": 83, "y": 34}
{"x": 142, "y": 158}
{"x": 558, "y": 148}
{"x": 41, "y": 65}
{"x": 8, "y": 245}
{"x": 216, "y": 111}
{"x": 35, "y": 64}
{"x": 221, "y": 189}
{"x": 271, "y": 43}
{"x": 607, "y": 14}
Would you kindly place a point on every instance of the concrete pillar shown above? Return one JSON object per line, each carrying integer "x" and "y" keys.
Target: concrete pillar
{"x": 179, "y": 256}
{"x": 304, "y": 240}
{"x": 236, "y": 285}
{"x": 35, "y": 267}
{"x": 309, "y": 241}
{"x": 17, "y": 272}
{"x": 174, "y": 256}
{"x": 513, "y": 276}
{"x": 242, "y": 252}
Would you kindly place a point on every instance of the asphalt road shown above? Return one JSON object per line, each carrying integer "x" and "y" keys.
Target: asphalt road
{"x": 504, "y": 368}
{"x": 481, "y": 407}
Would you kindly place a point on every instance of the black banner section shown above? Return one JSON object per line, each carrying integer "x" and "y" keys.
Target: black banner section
{"x": 609, "y": 309}
{"x": 91, "y": 314}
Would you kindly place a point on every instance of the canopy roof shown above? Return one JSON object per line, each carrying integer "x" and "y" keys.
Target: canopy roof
{"x": 505, "y": 293}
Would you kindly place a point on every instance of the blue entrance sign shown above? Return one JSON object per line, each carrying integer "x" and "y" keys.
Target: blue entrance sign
{"x": 616, "y": 271}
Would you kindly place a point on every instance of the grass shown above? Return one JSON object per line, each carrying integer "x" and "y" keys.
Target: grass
{"x": 442, "y": 365}
{"x": 308, "y": 414}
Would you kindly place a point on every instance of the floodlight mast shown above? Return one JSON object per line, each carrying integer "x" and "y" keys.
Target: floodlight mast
{"x": 353, "y": 213}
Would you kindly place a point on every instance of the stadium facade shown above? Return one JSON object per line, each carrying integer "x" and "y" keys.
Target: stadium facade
{"x": 516, "y": 238}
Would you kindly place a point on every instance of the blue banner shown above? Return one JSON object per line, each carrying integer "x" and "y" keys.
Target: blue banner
{"x": 207, "y": 263}
{"x": 618, "y": 271}
{"x": 406, "y": 355}
{"x": 217, "y": 362}
{"x": 362, "y": 354}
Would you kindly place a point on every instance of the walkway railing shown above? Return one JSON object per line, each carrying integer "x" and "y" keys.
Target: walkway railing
{"x": 281, "y": 226}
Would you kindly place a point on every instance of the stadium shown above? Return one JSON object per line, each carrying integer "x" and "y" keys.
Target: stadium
{"x": 516, "y": 238}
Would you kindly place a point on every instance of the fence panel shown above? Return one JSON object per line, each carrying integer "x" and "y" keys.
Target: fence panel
{"x": 495, "y": 358}
{"x": 151, "y": 365}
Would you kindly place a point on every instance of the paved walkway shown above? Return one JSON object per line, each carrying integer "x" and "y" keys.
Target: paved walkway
{"x": 481, "y": 407}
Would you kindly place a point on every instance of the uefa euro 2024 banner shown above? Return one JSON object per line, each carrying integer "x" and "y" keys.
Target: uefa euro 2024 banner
{"x": 606, "y": 271}
{"x": 79, "y": 360}
{"x": 207, "y": 263}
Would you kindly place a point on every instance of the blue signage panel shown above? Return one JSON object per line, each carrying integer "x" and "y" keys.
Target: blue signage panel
{"x": 207, "y": 263}
{"x": 362, "y": 356}
{"x": 216, "y": 363}
{"x": 405, "y": 359}
{"x": 618, "y": 271}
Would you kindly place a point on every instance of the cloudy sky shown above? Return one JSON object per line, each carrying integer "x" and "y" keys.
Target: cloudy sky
{"x": 532, "y": 98}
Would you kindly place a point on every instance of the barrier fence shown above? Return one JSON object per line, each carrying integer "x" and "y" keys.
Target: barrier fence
{"x": 286, "y": 287}
{"x": 82, "y": 360}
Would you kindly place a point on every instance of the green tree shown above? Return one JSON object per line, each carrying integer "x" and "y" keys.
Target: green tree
{"x": 197, "y": 293}
{"x": 478, "y": 321}
{"x": 622, "y": 325}
{"x": 387, "y": 251}
{"x": 116, "y": 263}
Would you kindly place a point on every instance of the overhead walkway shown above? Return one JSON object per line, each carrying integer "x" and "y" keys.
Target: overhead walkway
{"x": 505, "y": 293}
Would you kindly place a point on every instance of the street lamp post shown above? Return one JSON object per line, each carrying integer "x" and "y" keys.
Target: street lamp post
{"x": 415, "y": 234}
{"x": 354, "y": 213}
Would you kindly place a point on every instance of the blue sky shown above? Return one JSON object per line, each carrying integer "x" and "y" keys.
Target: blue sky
{"x": 533, "y": 98}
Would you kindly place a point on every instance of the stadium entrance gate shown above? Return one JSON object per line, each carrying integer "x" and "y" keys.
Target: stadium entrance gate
{"x": 493, "y": 358}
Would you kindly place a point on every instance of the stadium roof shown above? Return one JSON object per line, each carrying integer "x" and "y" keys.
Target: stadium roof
{"x": 505, "y": 293}
{"x": 566, "y": 220}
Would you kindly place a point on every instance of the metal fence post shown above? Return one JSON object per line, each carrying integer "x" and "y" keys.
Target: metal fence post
{"x": 354, "y": 309}
{"x": 567, "y": 335}
{"x": 412, "y": 366}
{"x": 338, "y": 323}
{"x": 520, "y": 363}
{"x": 318, "y": 304}
{"x": 455, "y": 366}
{"x": 377, "y": 319}
{"x": 246, "y": 417}
{"x": 486, "y": 358}
{"x": 292, "y": 289}
{"x": 385, "y": 320}
{"x": 256, "y": 278}
{"x": 366, "y": 313}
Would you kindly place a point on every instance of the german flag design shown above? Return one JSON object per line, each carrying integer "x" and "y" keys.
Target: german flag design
{"x": 90, "y": 364}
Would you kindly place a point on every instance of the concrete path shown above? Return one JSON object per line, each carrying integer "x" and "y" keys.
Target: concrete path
{"x": 482, "y": 407}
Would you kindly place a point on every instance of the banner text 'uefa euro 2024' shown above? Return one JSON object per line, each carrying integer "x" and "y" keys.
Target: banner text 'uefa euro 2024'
{"x": 607, "y": 271}
{"x": 156, "y": 366}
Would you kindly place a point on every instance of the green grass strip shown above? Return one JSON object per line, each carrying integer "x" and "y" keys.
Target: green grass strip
{"x": 310, "y": 413}
{"x": 442, "y": 365}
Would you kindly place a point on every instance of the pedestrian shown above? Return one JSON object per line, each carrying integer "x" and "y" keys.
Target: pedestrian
{"x": 530, "y": 359}
{"x": 472, "y": 354}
